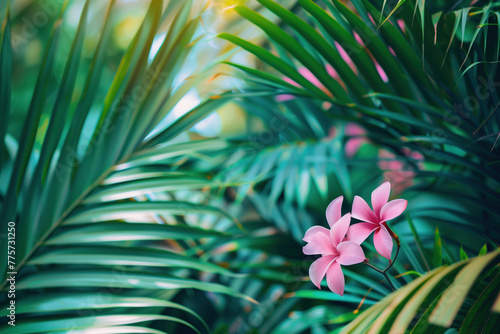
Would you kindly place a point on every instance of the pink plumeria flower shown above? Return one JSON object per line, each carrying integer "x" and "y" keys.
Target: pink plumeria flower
{"x": 356, "y": 138}
{"x": 375, "y": 220}
{"x": 353, "y": 145}
{"x": 333, "y": 249}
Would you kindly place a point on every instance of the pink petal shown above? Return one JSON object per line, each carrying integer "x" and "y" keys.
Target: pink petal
{"x": 416, "y": 156}
{"x": 380, "y": 196}
{"x": 350, "y": 253}
{"x": 290, "y": 81}
{"x": 331, "y": 71}
{"x": 383, "y": 242}
{"x": 284, "y": 97}
{"x": 381, "y": 72}
{"x": 395, "y": 165}
{"x": 401, "y": 24}
{"x": 352, "y": 129}
{"x": 359, "y": 232}
{"x": 359, "y": 40}
{"x": 387, "y": 158}
{"x": 352, "y": 146}
{"x": 372, "y": 20}
{"x": 391, "y": 50}
{"x": 311, "y": 78}
{"x": 318, "y": 269}
{"x": 361, "y": 211}
{"x": 313, "y": 230}
{"x": 345, "y": 56}
{"x": 335, "y": 278}
{"x": 334, "y": 210}
{"x": 339, "y": 229}
{"x": 393, "y": 209}
{"x": 319, "y": 244}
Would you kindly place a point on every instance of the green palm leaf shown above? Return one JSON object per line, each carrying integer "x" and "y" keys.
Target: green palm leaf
{"x": 81, "y": 223}
{"x": 432, "y": 293}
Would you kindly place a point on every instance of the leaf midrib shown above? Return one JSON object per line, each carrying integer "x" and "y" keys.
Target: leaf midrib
{"x": 61, "y": 218}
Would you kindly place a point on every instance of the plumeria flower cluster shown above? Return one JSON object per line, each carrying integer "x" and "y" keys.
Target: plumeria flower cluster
{"x": 341, "y": 244}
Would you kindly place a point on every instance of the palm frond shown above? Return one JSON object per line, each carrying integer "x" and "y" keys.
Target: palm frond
{"x": 121, "y": 227}
{"x": 432, "y": 302}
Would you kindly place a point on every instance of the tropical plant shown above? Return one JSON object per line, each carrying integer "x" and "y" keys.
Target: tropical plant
{"x": 100, "y": 240}
{"x": 416, "y": 82}
{"x": 431, "y": 303}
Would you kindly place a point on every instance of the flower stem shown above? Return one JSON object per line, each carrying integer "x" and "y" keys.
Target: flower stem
{"x": 391, "y": 262}
{"x": 389, "y": 281}
{"x": 383, "y": 272}
{"x": 372, "y": 266}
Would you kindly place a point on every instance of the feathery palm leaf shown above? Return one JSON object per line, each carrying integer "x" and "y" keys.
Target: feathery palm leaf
{"x": 99, "y": 218}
